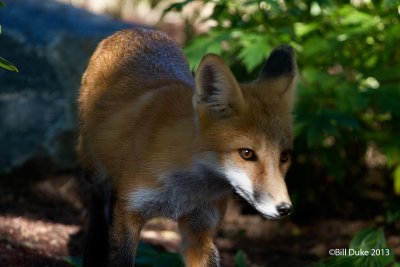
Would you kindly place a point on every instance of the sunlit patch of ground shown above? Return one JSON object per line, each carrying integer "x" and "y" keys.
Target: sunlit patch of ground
{"x": 47, "y": 238}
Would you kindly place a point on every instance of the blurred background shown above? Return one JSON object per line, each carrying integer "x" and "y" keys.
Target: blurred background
{"x": 345, "y": 177}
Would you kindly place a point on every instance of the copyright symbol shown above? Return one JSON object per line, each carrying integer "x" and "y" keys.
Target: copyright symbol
{"x": 331, "y": 252}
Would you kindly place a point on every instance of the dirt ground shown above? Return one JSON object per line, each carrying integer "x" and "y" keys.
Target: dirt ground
{"x": 42, "y": 220}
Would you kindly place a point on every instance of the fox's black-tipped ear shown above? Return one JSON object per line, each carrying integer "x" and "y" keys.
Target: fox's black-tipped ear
{"x": 217, "y": 90}
{"x": 281, "y": 62}
{"x": 280, "y": 71}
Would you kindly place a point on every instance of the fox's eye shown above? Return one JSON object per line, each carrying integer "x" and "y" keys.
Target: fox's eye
{"x": 285, "y": 156}
{"x": 247, "y": 154}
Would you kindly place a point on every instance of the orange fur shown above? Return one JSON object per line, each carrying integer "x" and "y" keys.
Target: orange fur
{"x": 149, "y": 128}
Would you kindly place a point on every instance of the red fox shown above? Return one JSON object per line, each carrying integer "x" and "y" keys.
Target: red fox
{"x": 170, "y": 145}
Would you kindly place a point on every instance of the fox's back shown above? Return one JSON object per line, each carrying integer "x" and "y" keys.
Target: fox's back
{"x": 127, "y": 84}
{"x": 127, "y": 64}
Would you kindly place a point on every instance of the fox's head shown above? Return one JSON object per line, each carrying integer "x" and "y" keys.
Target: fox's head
{"x": 249, "y": 127}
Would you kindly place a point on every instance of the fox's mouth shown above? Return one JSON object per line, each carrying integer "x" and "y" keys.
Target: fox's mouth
{"x": 271, "y": 218}
{"x": 260, "y": 200}
{"x": 250, "y": 206}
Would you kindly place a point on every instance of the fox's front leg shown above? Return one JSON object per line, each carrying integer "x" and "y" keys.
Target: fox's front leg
{"x": 197, "y": 230}
{"x": 124, "y": 236}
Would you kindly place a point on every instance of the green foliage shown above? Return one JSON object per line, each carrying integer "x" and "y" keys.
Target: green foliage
{"x": 146, "y": 256}
{"x": 392, "y": 212}
{"x": 4, "y": 63}
{"x": 397, "y": 180}
{"x": 349, "y": 85}
{"x": 73, "y": 261}
{"x": 7, "y": 65}
{"x": 368, "y": 240}
{"x": 240, "y": 259}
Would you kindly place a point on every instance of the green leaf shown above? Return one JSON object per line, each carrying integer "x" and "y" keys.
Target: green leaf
{"x": 240, "y": 259}
{"x": 7, "y": 65}
{"x": 73, "y": 261}
{"x": 396, "y": 180}
{"x": 346, "y": 121}
{"x": 176, "y": 6}
{"x": 147, "y": 256}
{"x": 366, "y": 240}
{"x": 208, "y": 43}
{"x": 302, "y": 29}
{"x": 314, "y": 135}
{"x": 299, "y": 128}
{"x": 254, "y": 50}
{"x": 196, "y": 50}
{"x": 392, "y": 212}
{"x": 145, "y": 248}
{"x": 372, "y": 239}
{"x": 388, "y": 103}
{"x": 352, "y": 16}
{"x": 168, "y": 260}
{"x": 390, "y": 3}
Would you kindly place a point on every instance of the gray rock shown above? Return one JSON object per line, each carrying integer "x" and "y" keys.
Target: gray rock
{"x": 50, "y": 44}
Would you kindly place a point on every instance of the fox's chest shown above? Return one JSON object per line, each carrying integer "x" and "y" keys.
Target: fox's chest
{"x": 183, "y": 192}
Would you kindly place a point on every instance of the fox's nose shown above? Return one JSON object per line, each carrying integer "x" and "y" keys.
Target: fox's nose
{"x": 284, "y": 208}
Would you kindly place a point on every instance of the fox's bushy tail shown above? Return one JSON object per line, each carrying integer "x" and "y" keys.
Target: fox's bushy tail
{"x": 97, "y": 232}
